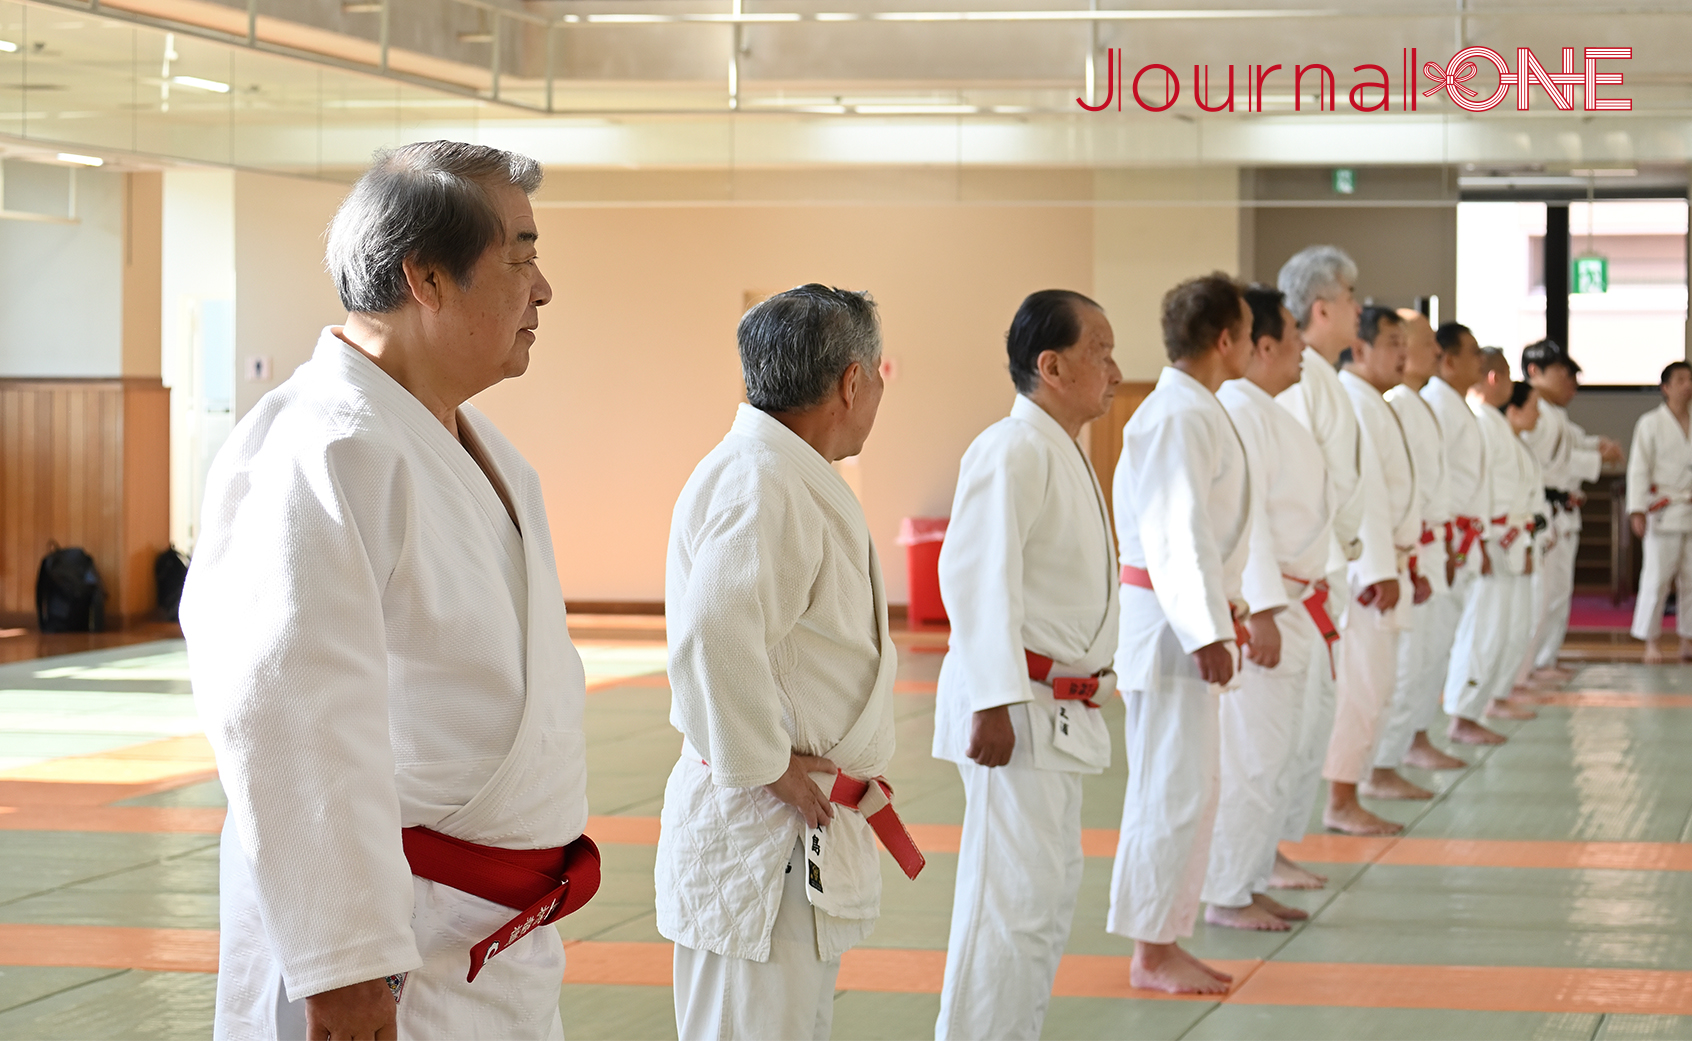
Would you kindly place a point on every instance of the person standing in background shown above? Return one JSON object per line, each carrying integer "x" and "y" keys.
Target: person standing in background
{"x": 1659, "y": 507}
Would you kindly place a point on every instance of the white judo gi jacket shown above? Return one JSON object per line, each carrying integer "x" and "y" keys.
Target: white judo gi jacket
{"x": 778, "y": 643}
{"x": 1568, "y": 456}
{"x": 374, "y": 646}
{"x": 1293, "y": 534}
{"x": 1319, "y": 402}
{"x": 1028, "y": 565}
{"x": 1467, "y": 493}
{"x": 1426, "y": 441}
{"x": 1660, "y": 459}
{"x": 1184, "y": 512}
{"x": 1391, "y": 523}
{"x": 1516, "y": 492}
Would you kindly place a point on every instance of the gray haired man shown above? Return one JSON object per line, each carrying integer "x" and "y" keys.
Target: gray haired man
{"x": 378, "y": 643}
{"x": 782, "y": 671}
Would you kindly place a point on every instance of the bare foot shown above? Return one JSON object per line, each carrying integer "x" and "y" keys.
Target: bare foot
{"x": 1552, "y": 674}
{"x": 1468, "y": 732}
{"x": 1653, "y": 654}
{"x": 1388, "y": 784}
{"x": 1424, "y": 756}
{"x": 1355, "y": 820}
{"x": 1162, "y": 966}
{"x": 1501, "y": 709}
{"x": 1686, "y": 650}
{"x": 1278, "y": 909}
{"x": 1213, "y": 973}
{"x": 1248, "y": 917}
{"x": 1290, "y": 875}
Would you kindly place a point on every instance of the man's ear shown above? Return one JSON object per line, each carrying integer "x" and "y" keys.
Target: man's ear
{"x": 848, "y": 387}
{"x": 1047, "y": 365}
{"x": 424, "y": 283}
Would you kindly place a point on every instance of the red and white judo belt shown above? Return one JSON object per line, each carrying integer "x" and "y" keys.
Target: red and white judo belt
{"x": 1316, "y": 605}
{"x": 874, "y": 799}
{"x": 1140, "y": 578}
{"x": 1064, "y": 688}
{"x": 1666, "y": 499}
{"x": 546, "y": 883}
{"x": 1511, "y": 533}
{"x": 1470, "y": 528}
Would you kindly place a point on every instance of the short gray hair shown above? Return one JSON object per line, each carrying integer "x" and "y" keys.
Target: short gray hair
{"x": 1314, "y": 273}
{"x": 427, "y": 203}
{"x": 796, "y": 345}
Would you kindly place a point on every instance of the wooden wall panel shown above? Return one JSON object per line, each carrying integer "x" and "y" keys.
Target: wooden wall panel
{"x": 65, "y": 449}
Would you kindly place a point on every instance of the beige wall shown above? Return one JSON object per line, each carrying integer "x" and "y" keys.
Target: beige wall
{"x": 143, "y": 246}
{"x": 282, "y": 296}
{"x": 635, "y": 375}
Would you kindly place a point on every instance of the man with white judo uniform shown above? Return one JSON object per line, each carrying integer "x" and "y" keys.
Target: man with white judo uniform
{"x": 1183, "y": 500}
{"x": 1319, "y": 284}
{"x": 1424, "y": 646}
{"x": 1029, "y": 577}
{"x": 1659, "y": 506}
{"x": 1461, "y": 366}
{"x": 781, "y": 667}
{"x": 379, "y": 649}
{"x": 1497, "y": 617}
{"x": 1391, "y": 526}
{"x": 1568, "y": 457}
{"x": 1286, "y": 588}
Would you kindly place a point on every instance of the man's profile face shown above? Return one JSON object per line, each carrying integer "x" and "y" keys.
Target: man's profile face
{"x": 492, "y": 320}
{"x": 1340, "y": 311}
{"x": 1091, "y": 359}
{"x": 1469, "y": 366}
{"x": 1678, "y": 389}
{"x": 1382, "y": 362}
{"x": 1235, "y": 344}
{"x": 1556, "y": 384}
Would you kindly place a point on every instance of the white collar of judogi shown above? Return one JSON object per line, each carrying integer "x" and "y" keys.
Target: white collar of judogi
{"x": 819, "y": 476}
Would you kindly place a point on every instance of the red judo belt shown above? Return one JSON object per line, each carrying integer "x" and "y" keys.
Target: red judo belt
{"x": 1509, "y": 539}
{"x": 546, "y": 883}
{"x": 1140, "y": 578}
{"x": 1316, "y": 605}
{"x": 874, "y": 799}
{"x": 1471, "y": 529}
{"x": 1665, "y": 501}
{"x": 1064, "y": 688}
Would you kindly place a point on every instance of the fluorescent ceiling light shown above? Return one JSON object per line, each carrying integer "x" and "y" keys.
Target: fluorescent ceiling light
{"x": 199, "y": 84}
{"x": 7, "y": 46}
{"x": 914, "y": 110}
{"x": 81, "y": 160}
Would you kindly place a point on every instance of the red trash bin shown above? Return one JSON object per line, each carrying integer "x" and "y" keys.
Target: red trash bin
{"x": 922, "y": 538}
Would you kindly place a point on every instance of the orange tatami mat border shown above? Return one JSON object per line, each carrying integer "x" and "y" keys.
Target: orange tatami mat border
{"x": 1606, "y": 699}
{"x": 884, "y": 970}
{"x": 181, "y": 760}
{"x": 944, "y": 838}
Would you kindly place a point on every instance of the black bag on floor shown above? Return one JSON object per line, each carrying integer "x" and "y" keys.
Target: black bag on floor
{"x": 170, "y": 570}
{"x": 68, "y": 595}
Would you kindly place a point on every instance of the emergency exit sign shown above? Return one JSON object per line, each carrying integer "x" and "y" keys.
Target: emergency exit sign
{"x": 1591, "y": 275}
{"x": 1345, "y": 181}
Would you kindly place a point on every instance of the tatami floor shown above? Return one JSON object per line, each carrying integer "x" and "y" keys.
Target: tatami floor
{"x": 1546, "y": 892}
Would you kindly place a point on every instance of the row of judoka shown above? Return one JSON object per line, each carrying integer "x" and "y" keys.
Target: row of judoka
{"x": 1307, "y": 563}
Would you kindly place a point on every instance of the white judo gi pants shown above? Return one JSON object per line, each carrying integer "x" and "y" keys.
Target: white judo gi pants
{"x": 1304, "y": 770}
{"x": 1261, "y": 726}
{"x": 1668, "y": 563}
{"x": 1368, "y": 672}
{"x": 791, "y": 996}
{"x": 1554, "y": 592}
{"x": 1019, "y": 871}
{"x": 1492, "y": 636}
{"x": 1169, "y": 812}
{"x": 1421, "y": 680}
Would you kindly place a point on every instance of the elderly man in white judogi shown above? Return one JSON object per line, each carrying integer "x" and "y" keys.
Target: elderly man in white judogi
{"x": 1184, "y": 511}
{"x": 782, "y": 670}
{"x": 1291, "y": 632}
{"x": 378, "y": 643}
{"x": 1319, "y": 282}
{"x": 1659, "y": 506}
{"x": 1029, "y": 577}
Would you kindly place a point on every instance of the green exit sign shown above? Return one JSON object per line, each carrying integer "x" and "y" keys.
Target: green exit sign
{"x": 1591, "y": 275}
{"x": 1345, "y": 181}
